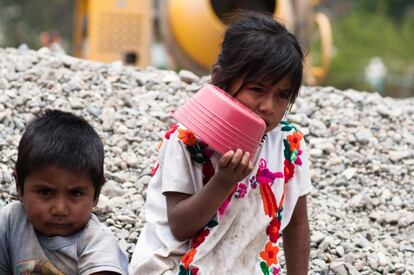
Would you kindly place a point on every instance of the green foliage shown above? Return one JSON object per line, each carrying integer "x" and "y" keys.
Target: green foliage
{"x": 22, "y": 21}
{"x": 362, "y": 35}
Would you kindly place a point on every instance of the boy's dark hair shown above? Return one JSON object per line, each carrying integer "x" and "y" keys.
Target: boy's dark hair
{"x": 63, "y": 139}
{"x": 258, "y": 47}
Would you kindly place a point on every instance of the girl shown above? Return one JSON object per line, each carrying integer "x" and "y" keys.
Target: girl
{"x": 212, "y": 214}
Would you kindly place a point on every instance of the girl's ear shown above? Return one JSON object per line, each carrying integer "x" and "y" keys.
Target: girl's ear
{"x": 95, "y": 201}
{"x": 214, "y": 73}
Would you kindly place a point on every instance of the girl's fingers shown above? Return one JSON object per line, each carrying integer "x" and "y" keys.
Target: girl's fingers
{"x": 237, "y": 157}
{"x": 226, "y": 158}
{"x": 249, "y": 167}
{"x": 244, "y": 161}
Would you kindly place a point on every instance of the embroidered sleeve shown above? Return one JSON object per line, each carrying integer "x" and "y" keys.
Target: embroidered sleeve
{"x": 296, "y": 166}
{"x": 178, "y": 174}
{"x": 303, "y": 174}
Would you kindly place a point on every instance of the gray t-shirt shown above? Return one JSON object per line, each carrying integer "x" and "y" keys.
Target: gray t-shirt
{"x": 25, "y": 251}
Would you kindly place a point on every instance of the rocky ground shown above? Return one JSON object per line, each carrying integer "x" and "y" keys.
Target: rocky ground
{"x": 361, "y": 152}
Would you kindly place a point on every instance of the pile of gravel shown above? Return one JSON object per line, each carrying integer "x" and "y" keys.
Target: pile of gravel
{"x": 361, "y": 149}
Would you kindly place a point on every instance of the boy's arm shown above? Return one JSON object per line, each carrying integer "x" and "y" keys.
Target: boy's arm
{"x": 99, "y": 252}
{"x": 187, "y": 214}
{"x": 4, "y": 250}
{"x": 296, "y": 240}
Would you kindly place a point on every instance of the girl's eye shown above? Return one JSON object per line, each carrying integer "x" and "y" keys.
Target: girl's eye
{"x": 284, "y": 95}
{"x": 257, "y": 90}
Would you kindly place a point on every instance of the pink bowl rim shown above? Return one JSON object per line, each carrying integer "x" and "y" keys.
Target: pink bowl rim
{"x": 246, "y": 146}
{"x": 219, "y": 120}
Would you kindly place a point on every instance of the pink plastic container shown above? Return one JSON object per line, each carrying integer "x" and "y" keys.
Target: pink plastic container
{"x": 221, "y": 121}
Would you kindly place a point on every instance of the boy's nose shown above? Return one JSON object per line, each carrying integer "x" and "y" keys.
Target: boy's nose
{"x": 59, "y": 207}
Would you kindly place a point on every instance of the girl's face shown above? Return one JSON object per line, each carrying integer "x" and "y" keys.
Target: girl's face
{"x": 268, "y": 101}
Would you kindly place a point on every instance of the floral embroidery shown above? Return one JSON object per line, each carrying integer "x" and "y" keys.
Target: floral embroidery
{"x": 187, "y": 137}
{"x": 222, "y": 209}
{"x": 292, "y": 152}
{"x": 193, "y": 270}
{"x": 167, "y": 136}
{"x": 199, "y": 238}
{"x": 188, "y": 258}
{"x": 266, "y": 178}
{"x": 253, "y": 182}
{"x": 272, "y": 230}
{"x": 294, "y": 141}
{"x": 171, "y": 131}
{"x": 154, "y": 170}
{"x": 208, "y": 171}
{"x": 241, "y": 191}
{"x": 200, "y": 153}
{"x": 269, "y": 254}
{"x": 269, "y": 200}
{"x": 289, "y": 170}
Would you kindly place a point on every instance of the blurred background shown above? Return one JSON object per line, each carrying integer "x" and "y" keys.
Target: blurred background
{"x": 365, "y": 45}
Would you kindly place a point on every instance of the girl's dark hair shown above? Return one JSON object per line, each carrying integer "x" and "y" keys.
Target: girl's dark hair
{"x": 63, "y": 139}
{"x": 258, "y": 47}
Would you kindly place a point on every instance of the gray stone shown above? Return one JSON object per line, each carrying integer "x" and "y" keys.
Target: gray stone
{"x": 188, "y": 77}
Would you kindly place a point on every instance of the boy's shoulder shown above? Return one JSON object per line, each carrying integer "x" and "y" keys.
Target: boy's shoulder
{"x": 98, "y": 240}
{"x": 95, "y": 231}
{"x": 11, "y": 213}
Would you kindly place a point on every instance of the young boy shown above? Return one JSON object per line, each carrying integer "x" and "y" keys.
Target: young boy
{"x": 59, "y": 175}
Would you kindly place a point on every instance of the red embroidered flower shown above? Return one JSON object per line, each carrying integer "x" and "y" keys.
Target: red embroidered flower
{"x": 241, "y": 190}
{"x": 208, "y": 171}
{"x": 289, "y": 170}
{"x": 171, "y": 131}
{"x": 197, "y": 240}
{"x": 272, "y": 230}
{"x": 222, "y": 209}
{"x": 294, "y": 140}
{"x": 188, "y": 258}
{"x": 194, "y": 270}
{"x": 268, "y": 199}
{"x": 270, "y": 254}
{"x": 154, "y": 170}
{"x": 187, "y": 137}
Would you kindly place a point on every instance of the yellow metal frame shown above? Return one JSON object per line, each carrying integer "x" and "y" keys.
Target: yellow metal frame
{"x": 198, "y": 31}
{"x": 317, "y": 74}
{"x": 114, "y": 28}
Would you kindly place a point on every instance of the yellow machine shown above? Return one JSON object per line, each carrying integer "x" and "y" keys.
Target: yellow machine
{"x": 109, "y": 30}
{"x": 191, "y": 30}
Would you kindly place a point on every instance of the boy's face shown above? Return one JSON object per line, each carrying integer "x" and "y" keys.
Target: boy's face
{"x": 269, "y": 101}
{"x": 57, "y": 201}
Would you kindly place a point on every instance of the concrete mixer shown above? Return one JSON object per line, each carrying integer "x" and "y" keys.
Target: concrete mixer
{"x": 191, "y": 30}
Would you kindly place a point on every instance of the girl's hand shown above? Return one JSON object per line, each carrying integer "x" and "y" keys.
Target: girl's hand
{"x": 234, "y": 166}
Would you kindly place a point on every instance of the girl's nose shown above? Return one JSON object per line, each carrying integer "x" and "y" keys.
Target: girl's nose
{"x": 266, "y": 106}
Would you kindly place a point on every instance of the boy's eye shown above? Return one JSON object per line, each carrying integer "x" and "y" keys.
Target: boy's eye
{"x": 44, "y": 192}
{"x": 76, "y": 193}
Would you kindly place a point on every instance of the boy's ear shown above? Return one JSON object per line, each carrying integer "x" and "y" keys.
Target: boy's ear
{"x": 19, "y": 192}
